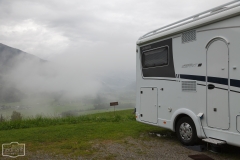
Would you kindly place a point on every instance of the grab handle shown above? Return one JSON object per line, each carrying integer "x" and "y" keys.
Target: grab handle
{"x": 211, "y": 86}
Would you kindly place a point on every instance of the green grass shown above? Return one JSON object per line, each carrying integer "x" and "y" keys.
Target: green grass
{"x": 72, "y": 135}
{"x": 52, "y": 109}
{"x": 40, "y": 121}
{"x": 75, "y": 136}
{"x": 47, "y": 109}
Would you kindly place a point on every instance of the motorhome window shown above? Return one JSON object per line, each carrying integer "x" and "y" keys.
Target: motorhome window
{"x": 155, "y": 58}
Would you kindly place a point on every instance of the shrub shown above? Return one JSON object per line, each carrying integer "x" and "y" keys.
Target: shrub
{"x": 117, "y": 118}
{"x": 39, "y": 121}
{"x": 69, "y": 114}
{"x": 16, "y": 116}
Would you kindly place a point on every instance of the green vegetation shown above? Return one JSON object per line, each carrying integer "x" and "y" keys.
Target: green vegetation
{"x": 77, "y": 136}
{"x": 50, "y": 108}
{"x": 72, "y": 135}
{"x": 16, "y": 116}
{"x": 39, "y": 121}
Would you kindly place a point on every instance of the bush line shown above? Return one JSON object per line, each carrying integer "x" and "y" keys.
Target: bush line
{"x": 41, "y": 121}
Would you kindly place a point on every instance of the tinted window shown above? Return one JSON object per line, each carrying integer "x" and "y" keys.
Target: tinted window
{"x": 155, "y": 58}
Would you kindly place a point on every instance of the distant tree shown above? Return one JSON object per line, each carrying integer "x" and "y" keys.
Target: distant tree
{"x": 16, "y": 116}
{"x": 69, "y": 114}
{"x": 57, "y": 96}
{"x": 1, "y": 118}
{"x": 100, "y": 102}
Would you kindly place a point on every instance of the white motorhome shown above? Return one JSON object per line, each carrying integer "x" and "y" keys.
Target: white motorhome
{"x": 188, "y": 77}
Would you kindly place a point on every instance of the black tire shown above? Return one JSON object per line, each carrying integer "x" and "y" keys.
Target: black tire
{"x": 186, "y": 131}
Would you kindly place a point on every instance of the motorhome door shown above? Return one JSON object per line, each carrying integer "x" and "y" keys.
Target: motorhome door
{"x": 148, "y": 105}
{"x": 217, "y": 83}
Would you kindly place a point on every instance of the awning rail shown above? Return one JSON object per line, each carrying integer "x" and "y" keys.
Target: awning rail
{"x": 207, "y": 13}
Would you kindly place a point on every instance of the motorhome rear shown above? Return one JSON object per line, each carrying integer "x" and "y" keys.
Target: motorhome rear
{"x": 188, "y": 76}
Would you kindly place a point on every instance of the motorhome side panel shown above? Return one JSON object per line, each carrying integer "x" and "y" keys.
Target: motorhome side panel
{"x": 149, "y": 77}
{"x": 194, "y": 53}
{"x": 188, "y": 89}
{"x": 230, "y": 31}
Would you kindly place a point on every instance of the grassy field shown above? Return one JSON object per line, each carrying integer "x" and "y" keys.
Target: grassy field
{"x": 72, "y": 135}
{"x": 48, "y": 108}
{"x": 75, "y": 136}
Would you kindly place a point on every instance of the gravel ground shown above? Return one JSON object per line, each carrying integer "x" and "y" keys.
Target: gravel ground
{"x": 145, "y": 147}
{"x": 163, "y": 149}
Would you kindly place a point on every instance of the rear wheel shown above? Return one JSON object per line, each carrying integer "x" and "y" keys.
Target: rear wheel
{"x": 186, "y": 131}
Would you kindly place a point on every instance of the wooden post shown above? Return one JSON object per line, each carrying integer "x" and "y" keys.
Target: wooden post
{"x": 114, "y": 104}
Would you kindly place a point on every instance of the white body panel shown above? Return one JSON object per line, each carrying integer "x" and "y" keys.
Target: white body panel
{"x": 217, "y": 49}
{"x": 148, "y": 104}
{"x": 217, "y": 99}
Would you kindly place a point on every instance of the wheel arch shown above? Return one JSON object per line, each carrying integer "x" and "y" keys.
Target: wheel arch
{"x": 178, "y": 114}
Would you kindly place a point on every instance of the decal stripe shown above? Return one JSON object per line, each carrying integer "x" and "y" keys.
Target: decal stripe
{"x": 234, "y": 83}
{"x": 214, "y": 87}
{"x": 218, "y": 80}
{"x": 234, "y": 91}
{"x": 193, "y": 77}
{"x": 222, "y": 88}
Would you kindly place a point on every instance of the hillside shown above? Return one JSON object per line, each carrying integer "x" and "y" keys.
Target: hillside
{"x": 35, "y": 86}
{"x": 10, "y": 57}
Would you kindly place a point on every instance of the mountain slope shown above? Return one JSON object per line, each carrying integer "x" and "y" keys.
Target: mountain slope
{"x": 10, "y": 57}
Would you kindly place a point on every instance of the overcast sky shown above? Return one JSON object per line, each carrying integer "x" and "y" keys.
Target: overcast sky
{"x": 107, "y": 30}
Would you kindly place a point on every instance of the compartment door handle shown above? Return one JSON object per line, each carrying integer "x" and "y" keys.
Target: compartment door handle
{"x": 211, "y": 86}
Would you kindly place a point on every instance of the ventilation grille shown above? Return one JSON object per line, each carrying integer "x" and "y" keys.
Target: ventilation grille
{"x": 189, "y": 86}
{"x": 189, "y": 36}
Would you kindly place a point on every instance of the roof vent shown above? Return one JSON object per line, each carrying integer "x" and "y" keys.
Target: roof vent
{"x": 189, "y": 36}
